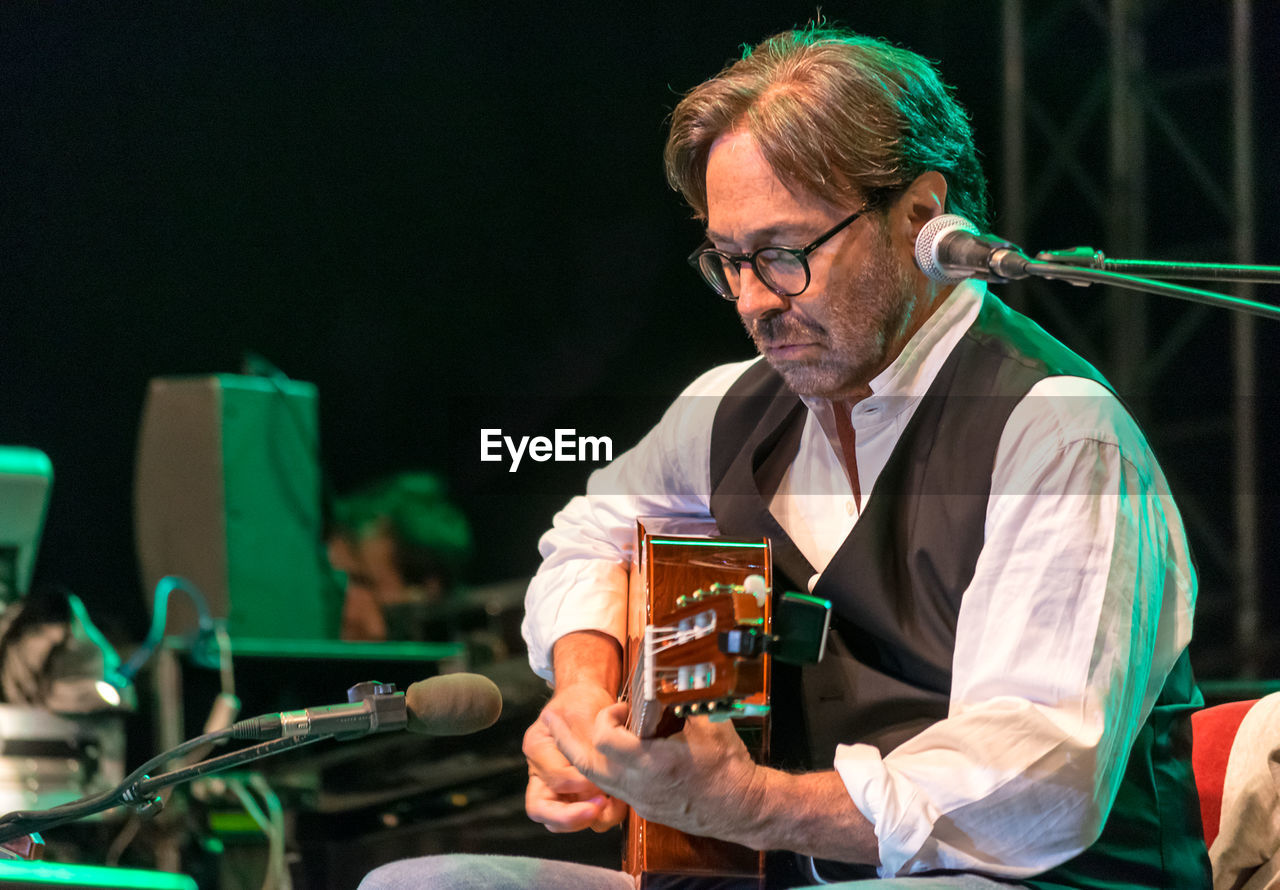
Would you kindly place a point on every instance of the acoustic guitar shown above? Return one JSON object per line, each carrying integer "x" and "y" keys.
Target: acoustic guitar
{"x": 702, "y": 629}
{"x": 699, "y": 612}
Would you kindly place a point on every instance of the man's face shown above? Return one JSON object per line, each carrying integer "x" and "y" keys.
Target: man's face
{"x": 846, "y": 327}
{"x": 369, "y": 564}
{"x": 373, "y": 583}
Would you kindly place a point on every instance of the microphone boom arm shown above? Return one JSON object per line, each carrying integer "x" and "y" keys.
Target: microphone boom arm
{"x": 1086, "y": 276}
{"x": 1089, "y": 258}
{"x": 139, "y": 793}
{"x": 371, "y": 707}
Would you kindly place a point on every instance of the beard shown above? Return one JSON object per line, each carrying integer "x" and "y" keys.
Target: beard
{"x": 863, "y": 317}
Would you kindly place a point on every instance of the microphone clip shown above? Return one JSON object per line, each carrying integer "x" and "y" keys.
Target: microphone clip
{"x": 387, "y": 707}
{"x": 371, "y": 707}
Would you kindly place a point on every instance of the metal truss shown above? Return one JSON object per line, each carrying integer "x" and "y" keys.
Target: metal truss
{"x": 1106, "y": 113}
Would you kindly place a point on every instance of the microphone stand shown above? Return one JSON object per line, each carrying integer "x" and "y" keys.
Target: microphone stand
{"x": 140, "y": 794}
{"x": 1096, "y": 259}
{"x": 1084, "y": 266}
{"x": 371, "y": 707}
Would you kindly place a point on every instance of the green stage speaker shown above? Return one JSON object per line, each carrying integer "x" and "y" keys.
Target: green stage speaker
{"x": 227, "y": 493}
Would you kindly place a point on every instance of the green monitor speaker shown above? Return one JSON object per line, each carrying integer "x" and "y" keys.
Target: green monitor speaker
{"x": 227, "y": 493}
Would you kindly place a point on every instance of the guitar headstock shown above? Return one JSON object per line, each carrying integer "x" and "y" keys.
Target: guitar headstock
{"x": 701, "y": 658}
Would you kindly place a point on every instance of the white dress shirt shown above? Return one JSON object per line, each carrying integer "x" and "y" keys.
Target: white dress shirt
{"x": 1080, "y": 603}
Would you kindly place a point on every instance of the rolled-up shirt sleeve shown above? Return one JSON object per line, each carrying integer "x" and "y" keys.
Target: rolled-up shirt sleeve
{"x": 1080, "y": 604}
{"x": 582, "y": 581}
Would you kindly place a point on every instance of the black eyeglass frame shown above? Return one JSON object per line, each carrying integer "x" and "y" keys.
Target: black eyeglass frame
{"x": 737, "y": 259}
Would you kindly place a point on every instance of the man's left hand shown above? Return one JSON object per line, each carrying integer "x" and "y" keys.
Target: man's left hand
{"x": 701, "y": 780}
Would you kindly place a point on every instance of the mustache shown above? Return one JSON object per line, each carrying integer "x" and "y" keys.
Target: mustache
{"x": 785, "y": 328}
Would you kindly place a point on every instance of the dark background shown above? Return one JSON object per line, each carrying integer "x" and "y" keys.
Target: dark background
{"x": 436, "y": 211}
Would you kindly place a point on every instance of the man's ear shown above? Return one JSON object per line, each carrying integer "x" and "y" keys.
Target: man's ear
{"x": 924, "y": 199}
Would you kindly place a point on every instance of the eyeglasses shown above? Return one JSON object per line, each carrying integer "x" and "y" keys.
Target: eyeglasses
{"x": 784, "y": 270}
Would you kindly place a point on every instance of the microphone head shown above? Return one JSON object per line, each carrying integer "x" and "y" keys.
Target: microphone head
{"x": 927, "y": 242}
{"x": 453, "y": 704}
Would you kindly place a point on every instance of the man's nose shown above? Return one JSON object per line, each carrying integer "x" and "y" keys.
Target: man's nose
{"x": 755, "y": 300}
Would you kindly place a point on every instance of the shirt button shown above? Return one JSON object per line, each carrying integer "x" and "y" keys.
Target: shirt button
{"x": 849, "y": 507}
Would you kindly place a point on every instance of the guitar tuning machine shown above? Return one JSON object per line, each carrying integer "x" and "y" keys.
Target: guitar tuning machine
{"x": 688, "y": 599}
{"x": 710, "y": 708}
{"x": 757, "y": 587}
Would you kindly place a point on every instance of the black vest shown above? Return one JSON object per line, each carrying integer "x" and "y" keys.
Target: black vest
{"x": 896, "y": 583}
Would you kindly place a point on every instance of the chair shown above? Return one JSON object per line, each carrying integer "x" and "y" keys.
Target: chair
{"x": 1236, "y": 760}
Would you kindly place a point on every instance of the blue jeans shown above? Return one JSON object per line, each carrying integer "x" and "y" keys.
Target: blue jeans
{"x": 468, "y": 871}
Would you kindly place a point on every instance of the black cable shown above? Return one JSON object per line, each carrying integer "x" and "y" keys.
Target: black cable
{"x": 209, "y": 738}
{"x": 149, "y": 786}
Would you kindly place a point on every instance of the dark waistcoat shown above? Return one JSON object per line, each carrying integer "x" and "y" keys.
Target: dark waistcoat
{"x": 896, "y": 583}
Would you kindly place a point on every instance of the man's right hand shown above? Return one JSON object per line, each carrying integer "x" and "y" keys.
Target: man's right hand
{"x": 558, "y": 796}
{"x": 588, "y": 669}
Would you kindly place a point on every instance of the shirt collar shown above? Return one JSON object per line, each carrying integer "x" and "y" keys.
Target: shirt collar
{"x": 912, "y": 372}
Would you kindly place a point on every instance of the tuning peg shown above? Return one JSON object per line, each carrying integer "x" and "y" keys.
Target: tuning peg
{"x": 756, "y": 586}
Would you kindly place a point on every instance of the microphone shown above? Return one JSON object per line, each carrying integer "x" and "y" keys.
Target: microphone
{"x": 451, "y": 704}
{"x": 950, "y": 249}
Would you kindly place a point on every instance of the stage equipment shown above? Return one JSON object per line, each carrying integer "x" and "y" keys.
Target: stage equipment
{"x": 454, "y": 704}
{"x": 47, "y": 760}
{"x": 25, "y": 478}
{"x": 43, "y": 875}
{"x": 228, "y": 494}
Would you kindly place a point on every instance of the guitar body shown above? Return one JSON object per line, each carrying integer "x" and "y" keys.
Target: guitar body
{"x": 666, "y": 568}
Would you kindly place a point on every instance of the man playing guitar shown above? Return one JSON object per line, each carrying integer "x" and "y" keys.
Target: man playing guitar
{"x": 1006, "y": 687}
